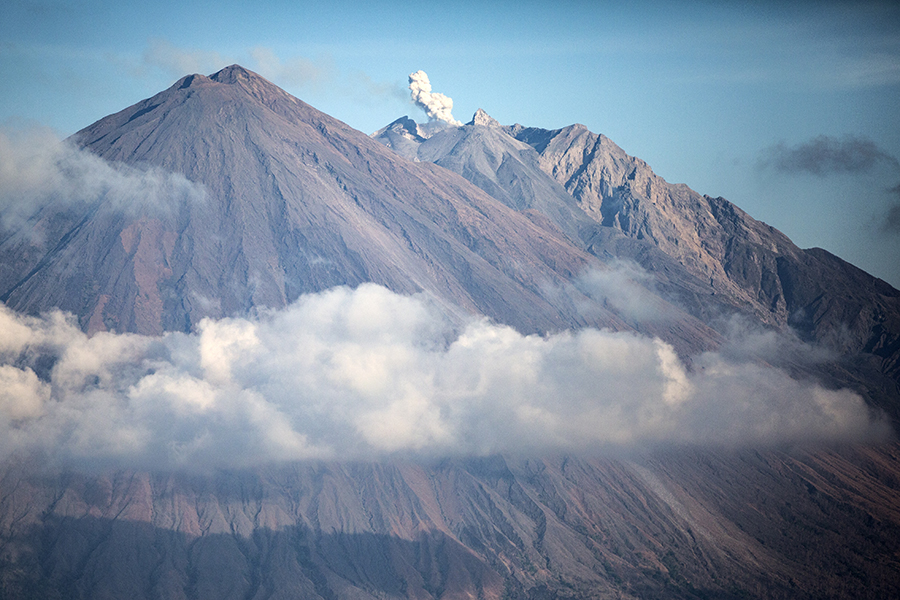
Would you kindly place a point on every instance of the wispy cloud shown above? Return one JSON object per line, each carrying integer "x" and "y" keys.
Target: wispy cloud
{"x": 826, "y": 155}
{"x": 625, "y": 287}
{"x": 37, "y": 168}
{"x": 366, "y": 372}
{"x": 318, "y": 75}
{"x": 295, "y": 72}
{"x": 177, "y": 62}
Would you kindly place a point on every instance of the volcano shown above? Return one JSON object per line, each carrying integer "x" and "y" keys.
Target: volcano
{"x": 520, "y": 235}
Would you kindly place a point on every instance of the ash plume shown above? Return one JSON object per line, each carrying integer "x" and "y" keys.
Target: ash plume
{"x": 37, "y": 169}
{"x": 437, "y": 107}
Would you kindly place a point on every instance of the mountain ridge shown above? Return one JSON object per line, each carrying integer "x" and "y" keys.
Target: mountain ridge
{"x": 706, "y": 254}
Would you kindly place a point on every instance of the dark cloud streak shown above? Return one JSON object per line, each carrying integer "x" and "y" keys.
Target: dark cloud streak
{"x": 827, "y": 155}
{"x": 891, "y": 222}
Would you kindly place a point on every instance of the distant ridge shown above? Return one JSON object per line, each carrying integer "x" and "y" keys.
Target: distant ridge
{"x": 703, "y": 253}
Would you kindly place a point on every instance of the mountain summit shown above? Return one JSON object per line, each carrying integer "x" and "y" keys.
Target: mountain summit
{"x": 294, "y": 202}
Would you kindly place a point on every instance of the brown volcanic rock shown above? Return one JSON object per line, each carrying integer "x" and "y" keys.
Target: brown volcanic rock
{"x": 683, "y": 524}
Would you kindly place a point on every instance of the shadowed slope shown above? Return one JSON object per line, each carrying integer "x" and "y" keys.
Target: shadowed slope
{"x": 689, "y": 524}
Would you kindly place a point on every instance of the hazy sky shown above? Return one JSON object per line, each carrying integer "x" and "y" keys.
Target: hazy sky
{"x": 792, "y": 112}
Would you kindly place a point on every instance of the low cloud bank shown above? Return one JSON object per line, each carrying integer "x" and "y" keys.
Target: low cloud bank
{"x": 38, "y": 169}
{"x": 366, "y": 373}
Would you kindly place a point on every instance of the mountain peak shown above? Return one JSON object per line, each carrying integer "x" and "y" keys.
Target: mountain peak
{"x": 251, "y": 82}
{"x": 191, "y": 81}
{"x": 483, "y": 119}
{"x": 234, "y": 74}
{"x": 404, "y": 126}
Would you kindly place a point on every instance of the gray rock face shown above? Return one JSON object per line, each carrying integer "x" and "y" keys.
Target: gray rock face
{"x": 505, "y": 168}
{"x": 747, "y": 264}
{"x": 483, "y": 119}
{"x": 403, "y": 136}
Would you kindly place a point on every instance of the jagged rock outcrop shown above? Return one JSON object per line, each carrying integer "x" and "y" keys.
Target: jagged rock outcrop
{"x": 746, "y": 263}
{"x": 403, "y": 136}
{"x": 482, "y": 119}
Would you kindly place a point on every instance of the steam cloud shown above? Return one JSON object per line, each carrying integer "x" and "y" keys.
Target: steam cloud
{"x": 438, "y": 107}
{"x": 624, "y": 287}
{"x": 366, "y": 372}
{"x": 824, "y": 155}
{"x": 178, "y": 62}
{"x": 37, "y": 168}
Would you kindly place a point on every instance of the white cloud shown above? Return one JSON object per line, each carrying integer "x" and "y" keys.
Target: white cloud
{"x": 37, "y": 168}
{"x": 366, "y": 372}
{"x": 22, "y": 394}
{"x": 623, "y": 286}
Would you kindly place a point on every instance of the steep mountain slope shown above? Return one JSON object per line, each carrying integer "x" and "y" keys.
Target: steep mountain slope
{"x": 511, "y": 171}
{"x": 504, "y": 167}
{"x": 295, "y": 202}
{"x": 703, "y": 253}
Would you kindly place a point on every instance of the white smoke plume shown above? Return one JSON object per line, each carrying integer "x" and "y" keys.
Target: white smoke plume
{"x": 37, "y": 169}
{"x": 625, "y": 287}
{"x": 366, "y": 373}
{"x": 437, "y": 107}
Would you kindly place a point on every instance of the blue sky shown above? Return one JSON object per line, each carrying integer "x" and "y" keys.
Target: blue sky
{"x": 792, "y": 112}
